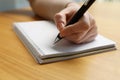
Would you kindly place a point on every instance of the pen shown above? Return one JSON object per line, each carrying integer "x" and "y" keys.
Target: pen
{"x": 77, "y": 16}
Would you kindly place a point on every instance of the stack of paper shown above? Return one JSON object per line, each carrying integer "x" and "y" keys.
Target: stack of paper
{"x": 39, "y": 36}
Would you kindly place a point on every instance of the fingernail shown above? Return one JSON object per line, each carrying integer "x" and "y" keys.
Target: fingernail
{"x": 62, "y": 33}
{"x": 61, "y": 26}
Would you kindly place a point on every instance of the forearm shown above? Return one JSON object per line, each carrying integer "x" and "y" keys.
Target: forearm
{"x": 48, "y": 8}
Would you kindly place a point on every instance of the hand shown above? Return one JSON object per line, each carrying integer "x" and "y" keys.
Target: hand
{"x": 85, "y": 30}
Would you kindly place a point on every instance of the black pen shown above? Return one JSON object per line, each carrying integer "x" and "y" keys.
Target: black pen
{"x": 77, "y": 16}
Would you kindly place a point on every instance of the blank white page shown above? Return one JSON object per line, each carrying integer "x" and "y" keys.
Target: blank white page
{"x": 43, "y": 33}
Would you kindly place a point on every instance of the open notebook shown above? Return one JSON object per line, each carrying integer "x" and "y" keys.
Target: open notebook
{"x": 39, "y": 36}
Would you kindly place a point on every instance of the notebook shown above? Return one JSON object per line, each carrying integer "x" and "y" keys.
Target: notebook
{"x": 38, "y": 37}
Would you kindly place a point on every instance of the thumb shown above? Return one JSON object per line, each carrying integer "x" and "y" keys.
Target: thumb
{"x": 60, "y": 21}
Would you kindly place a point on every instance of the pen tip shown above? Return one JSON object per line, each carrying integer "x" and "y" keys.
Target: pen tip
{"x": 56, "y": 40}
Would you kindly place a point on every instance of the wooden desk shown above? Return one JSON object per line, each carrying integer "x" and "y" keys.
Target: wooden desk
{"x": 16, "y": 63}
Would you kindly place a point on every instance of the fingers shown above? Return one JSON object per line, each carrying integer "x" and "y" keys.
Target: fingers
{"x": 60, "y": 21}
{"x": 75, "y": 28}
{"x": 63, "y": 17}
{"x": 83, "y": 25}
{"x": 83, "y": 37}
{"x": 90, "y": 36}
{"x": 84, "y": 30}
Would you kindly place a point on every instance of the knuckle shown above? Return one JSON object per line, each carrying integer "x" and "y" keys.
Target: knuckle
{"x": 77, "y": 39}
{"x": 57, "y": 16}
